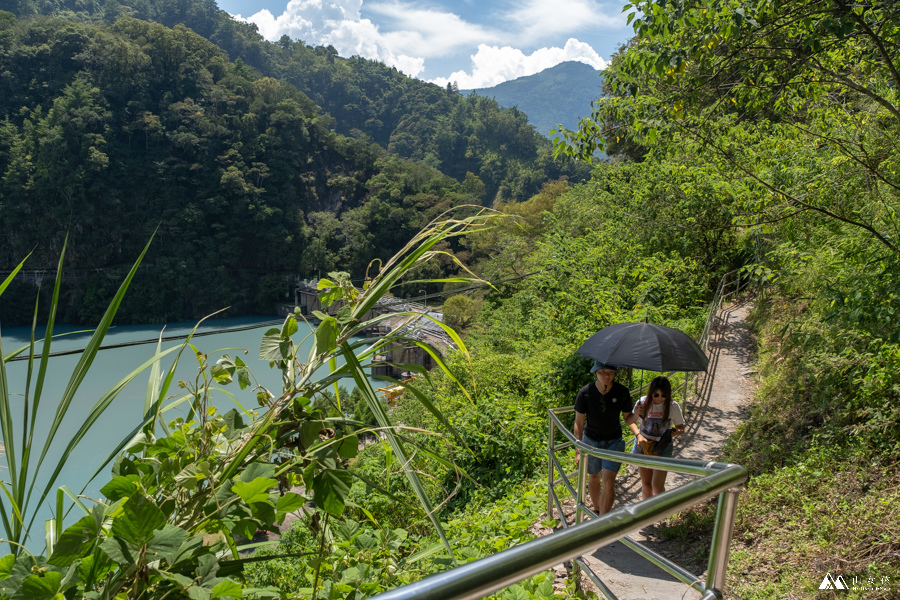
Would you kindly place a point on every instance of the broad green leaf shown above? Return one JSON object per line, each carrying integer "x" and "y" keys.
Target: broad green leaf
{"x": 365, "y": 542}
{"x": 221, "y": 374}
{"x": 331, "y": 292}
{"x": 326, "y": 336}
{"x": 309, "y": 433}
{"x": 348, "y": 446}
{"x": 289, "y": 503}
{"x": 345, "y": 315}
{"x": 516, "y": 592}
{"x": 6, "y": 565}
{"x": 75, "y": 541}
{"x": 166, "y": 541}
{"x": 139, "y": 517}
{"x": 226, "y": 589}
{"x": 192, "y": 474}
{"x": 178, "y": 579}
{"x": 244, "y": 377}
{"x": 207, "y": 568}
{"x": 254, "y": 491}
{"x": 121, "y": 487}
{"x": 272, "y": 346}
{"x": 290, "y": 327}
{"x": 545, "y": 588}
{"x": 330, "y": 489}
{"x": 187, "y": 552}
{"x": 120, "y": 551}
{"x": 234, "y": 423}
{"x": 256, "y": 470}
{"x": 41, "y": 587}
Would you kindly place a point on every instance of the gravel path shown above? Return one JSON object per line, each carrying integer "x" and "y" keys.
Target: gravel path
{"x": 721, "y": 404}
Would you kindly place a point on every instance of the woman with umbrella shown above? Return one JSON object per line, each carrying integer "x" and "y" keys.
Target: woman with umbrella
{"x": 644, "y": 346}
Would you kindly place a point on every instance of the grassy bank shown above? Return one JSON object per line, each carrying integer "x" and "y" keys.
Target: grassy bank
{"x": 824, "y": 492}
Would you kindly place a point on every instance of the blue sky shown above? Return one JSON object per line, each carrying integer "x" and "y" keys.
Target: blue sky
{"x": 476, "y": 43}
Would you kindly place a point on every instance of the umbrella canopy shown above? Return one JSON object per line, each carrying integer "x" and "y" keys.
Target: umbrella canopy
{"x": 645, "y": 346}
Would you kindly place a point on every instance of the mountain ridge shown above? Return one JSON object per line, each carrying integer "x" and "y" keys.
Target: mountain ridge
{"x": 560, "y": 95}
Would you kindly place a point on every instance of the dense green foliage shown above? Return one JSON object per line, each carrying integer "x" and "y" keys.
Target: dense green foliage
{"x": 755, "y": 134}
{"x": 110, "y": 127}
{"x": 186, "y": 493}
{"x": 791, "y": 111}
{"x": 367, "y": 557}
{"x": 409, "y": 117}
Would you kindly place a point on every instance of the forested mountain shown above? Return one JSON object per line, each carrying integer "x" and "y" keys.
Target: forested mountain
{"x": 407, "y": 116}
{"x": 560, "y": 95}
{"x": 113, "y": 125}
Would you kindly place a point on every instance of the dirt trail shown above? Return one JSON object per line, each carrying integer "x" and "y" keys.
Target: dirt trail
{"x": 721, "y": 404}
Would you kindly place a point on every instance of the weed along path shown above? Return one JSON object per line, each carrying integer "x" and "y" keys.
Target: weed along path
{"x": 721, "y": 403}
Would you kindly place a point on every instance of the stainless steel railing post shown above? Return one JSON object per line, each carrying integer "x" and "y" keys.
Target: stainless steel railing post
{"x": 551, "y": 451}
{"x": 721, "y": 540}
{"x": 582, "y": 481}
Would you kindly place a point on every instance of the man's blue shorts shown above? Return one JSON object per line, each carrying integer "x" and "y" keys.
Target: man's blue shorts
{"x": 595, "y": 463}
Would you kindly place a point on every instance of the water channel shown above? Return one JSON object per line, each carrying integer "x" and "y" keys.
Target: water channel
{"x": 126, "y": 411}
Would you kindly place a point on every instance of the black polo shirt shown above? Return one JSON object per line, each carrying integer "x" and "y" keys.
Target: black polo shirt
{"x": 603, "y": 410}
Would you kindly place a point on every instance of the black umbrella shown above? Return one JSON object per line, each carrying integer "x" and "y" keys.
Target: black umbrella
{"x": 645, "y": 346}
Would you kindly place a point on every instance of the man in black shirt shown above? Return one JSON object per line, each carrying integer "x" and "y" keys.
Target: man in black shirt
{"x": 602, "y": 402}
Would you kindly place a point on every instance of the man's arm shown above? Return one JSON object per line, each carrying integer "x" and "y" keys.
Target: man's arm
{"x": 579, "y": 431}
{"x": 579, "y": 425}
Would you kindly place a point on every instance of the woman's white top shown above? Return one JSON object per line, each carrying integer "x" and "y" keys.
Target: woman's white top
{"x": 653, "y": 427}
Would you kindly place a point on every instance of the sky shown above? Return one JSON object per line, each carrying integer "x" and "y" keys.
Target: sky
{"x": 474, "y": 43}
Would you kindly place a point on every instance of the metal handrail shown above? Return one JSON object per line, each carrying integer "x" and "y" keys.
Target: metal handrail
{"x": 731, "y": 278}
{"x": 713, "y": 474}
{"x": 487, "y": 575}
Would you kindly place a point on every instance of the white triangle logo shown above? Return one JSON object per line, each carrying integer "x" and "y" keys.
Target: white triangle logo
{"x": 831, "y": 583}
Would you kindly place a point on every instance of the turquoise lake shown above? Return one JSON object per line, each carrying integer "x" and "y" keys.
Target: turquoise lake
{"x": 126, "y": 411}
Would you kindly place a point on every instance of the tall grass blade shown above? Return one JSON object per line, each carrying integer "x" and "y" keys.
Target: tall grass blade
{"x": 12, "y": 275}
{"x": 95, "y": 413}
{"x": 22, "y": 477}
{"x": 381, "y": 416}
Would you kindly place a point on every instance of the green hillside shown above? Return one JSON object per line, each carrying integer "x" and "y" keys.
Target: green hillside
{"x": 406, "y": 116}
{"x": 754, "y": 137}
{"x": 112, "y": 129}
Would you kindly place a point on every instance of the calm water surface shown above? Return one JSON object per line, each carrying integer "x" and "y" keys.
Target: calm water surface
{"x": 126, "y": 411}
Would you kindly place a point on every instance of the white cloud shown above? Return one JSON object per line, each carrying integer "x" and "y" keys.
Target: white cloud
{"x": 492, "y": 64}
{"x": 539, "y": 19}
{"x": 338, "y": 23}
{"x": 405, "y": 35}
{"x": 431, "y": 33}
